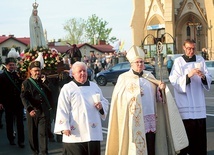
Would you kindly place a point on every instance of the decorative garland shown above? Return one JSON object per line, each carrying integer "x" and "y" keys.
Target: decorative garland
{"x": 51, "y": 59}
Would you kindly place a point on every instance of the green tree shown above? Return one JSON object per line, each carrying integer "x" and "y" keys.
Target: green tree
{"x": 169, "y": 51}
{"x": 96, "y": 27}
{"x": 76, "y": 31}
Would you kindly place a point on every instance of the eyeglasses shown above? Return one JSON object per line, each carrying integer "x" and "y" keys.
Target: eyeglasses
{"x": 137, "y": 62}
{"x": 189, "y": 48}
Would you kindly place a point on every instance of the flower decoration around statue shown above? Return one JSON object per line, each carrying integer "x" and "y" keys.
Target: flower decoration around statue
{"x": 49, "y": 59}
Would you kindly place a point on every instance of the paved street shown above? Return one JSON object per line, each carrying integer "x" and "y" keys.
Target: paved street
{"x": 55, "y": 147}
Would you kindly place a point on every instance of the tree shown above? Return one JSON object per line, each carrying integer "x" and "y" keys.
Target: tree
{"x": 81, "y": 31}
{"x": 96, "y": 27}
{"x": 76, "y": 30}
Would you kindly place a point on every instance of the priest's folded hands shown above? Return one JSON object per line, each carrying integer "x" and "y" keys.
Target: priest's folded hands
{"x": 197, "y": 72}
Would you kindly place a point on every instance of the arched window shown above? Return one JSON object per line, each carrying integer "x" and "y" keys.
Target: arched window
{"x": 188, "y": 31}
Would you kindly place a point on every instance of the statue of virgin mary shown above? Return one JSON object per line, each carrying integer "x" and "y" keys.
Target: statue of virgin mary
{"x": 37, "y": 38}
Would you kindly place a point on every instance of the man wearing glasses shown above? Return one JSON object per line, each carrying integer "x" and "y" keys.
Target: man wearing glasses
{"x": 137, "y": 121}
{"x": 189, "y": 77}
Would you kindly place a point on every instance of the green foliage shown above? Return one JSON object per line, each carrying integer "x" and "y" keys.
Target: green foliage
{"x": 80, "y": 30}
{"x": 76, "y": 30}
{"x": 97, "y": 27}
{"x": 113, "y": 39}
{"x": 169, "y": 51}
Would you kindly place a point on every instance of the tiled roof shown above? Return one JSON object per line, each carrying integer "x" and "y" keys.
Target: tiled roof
{"x": 104, "y": 48}
{"x": 61, "y": 48}
{"x": 3, "y": 39}
{"x": 24, "y": 40}
{"x": 101, "y": 48}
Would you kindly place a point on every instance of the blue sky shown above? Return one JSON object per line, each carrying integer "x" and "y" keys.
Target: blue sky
{"x": 15, "y": 16}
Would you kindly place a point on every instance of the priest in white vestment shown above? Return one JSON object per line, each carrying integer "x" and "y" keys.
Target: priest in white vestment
{"x": 142, "y": 120}
{"x": 190, "y": 77}
{"x": 81, "y": 106}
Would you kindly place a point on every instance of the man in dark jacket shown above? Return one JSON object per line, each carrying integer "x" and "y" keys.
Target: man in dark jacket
{"x": 11, "y": 102}
{"x": 36, "y": 97}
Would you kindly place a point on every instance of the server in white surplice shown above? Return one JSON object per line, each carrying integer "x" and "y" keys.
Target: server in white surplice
{"x": 79, "y": 116}
{"x": 190, "y": 78}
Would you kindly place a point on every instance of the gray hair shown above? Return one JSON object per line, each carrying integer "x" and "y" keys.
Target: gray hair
{"x": 78, "y": 64}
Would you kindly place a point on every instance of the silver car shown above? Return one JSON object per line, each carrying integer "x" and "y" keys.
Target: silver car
{"x": 210, "y": 68}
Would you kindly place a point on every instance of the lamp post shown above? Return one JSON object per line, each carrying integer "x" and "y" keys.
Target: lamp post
{"x": 199, "y": 28}
{"x": 211, "y": 40}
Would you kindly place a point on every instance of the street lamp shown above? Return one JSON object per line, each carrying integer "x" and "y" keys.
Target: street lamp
{"x": 210, "y": 28}
{"x": 199, "y": 28}
{"x": 196, "y": 27}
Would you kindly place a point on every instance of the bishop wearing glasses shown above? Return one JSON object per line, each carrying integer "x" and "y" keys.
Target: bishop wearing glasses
{"x": 142, "y": 120}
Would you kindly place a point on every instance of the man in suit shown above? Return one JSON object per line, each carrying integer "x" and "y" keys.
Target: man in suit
{"x": 11, "y": 102}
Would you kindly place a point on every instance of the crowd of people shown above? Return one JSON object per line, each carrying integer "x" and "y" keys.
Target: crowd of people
{"x": 95, "y": 62}
{"x": 142, "y": 107}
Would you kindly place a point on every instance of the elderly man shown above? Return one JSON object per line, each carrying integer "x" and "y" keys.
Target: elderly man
{"x": 138, "y": 114}
{"x": 190, "y": 77}
{"x": 81, "y": 106}
{"x": 37, "y": 98}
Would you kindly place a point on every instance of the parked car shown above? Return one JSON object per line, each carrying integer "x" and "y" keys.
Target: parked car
{"x": 111, "y": 75}
{"x": 210, "y": 68}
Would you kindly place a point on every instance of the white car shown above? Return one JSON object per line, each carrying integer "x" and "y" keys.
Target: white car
{"x": 210, "y": 67}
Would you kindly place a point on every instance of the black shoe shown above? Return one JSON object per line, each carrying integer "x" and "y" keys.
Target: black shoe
{"x": 12, "y": 143}
{"x": 21, "y": 145}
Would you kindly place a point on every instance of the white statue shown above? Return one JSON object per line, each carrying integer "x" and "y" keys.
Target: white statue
{"x": 37, "y": 37}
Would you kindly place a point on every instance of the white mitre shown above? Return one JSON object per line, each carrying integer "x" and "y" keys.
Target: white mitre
{"x": 134, "y": 53}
